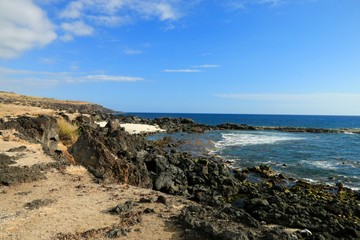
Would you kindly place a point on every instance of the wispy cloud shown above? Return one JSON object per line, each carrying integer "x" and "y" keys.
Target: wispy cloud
{"x": 243, "y": 4}
{"x": 119, "y": 12}
{"x": 181, "y": 70}
{"x": 193, "y": 69}
{"x": 77, "y": 28}
{"x": 37, "y": 78}
{"x": 103, "y": 78}
{"x": 23, "y": 26}
{"x": 129, "y": 51}
{"x": 207, "y": 66}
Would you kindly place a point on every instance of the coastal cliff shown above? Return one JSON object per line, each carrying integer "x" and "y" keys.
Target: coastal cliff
{"x": 198, "y": 197}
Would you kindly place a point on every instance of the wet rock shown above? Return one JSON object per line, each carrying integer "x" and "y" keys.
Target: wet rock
{"x": 264, "y": 171}
{"x": 241, "y": 175}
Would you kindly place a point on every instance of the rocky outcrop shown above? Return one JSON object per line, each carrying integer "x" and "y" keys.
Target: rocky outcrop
{"x": 180, "y": 125}
{"x": 188, "y": 125}
{"x": 228, "y": 223}
{"x": 112, "y": 156}
{"x": 42, "y": 129}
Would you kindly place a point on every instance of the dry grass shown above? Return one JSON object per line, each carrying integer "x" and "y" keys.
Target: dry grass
{"x": 19, "y": 97}
{"x": 13, "y": 110}
{"x": 68, "y": 133}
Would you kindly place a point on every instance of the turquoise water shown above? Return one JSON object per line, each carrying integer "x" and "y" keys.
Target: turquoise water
{"x": 318, "y": 157}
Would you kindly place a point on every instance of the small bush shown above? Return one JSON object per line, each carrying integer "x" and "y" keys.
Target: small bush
{"x": 68, "y": 133}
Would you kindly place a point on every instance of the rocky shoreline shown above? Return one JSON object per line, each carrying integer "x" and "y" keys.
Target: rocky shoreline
{"x": 231, "y": 206}
{"x": 188, "y": 125}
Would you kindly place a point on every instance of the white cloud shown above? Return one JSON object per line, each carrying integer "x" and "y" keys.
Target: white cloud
{"x": 73, "y": 10}
{"x": 181, "y": 70}
{"x": 19, "y": 77}
{"x": 193, "y": 69}
{"x": 77, "y": 28}
{"x": 162, "y": 9}
{"x": 207, "y": 66}
{"x": 110, "y": 21}
{"x": 243, "y": 4}
{"x": 83, "y": 14}
{"x": 23, "y": 26}
{"x": 102, "y": 78}
{"x": 271, "y": 2}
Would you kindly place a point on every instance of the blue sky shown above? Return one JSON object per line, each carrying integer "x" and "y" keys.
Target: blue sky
{"x": 200, "y": 56}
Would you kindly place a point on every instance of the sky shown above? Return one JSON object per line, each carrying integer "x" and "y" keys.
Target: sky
{"x": 186, "y": 56}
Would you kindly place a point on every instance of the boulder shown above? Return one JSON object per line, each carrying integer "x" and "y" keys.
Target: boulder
{"x": 111, "y": 157}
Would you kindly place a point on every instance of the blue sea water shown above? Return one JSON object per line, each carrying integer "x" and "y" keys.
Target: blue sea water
{"x": 265, "y": 119}
{"x": 318, "y": 157}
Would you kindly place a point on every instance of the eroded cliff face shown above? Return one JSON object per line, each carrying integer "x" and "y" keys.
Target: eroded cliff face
{"x": 42, "y": 129}
{"x": 112, "y": 156}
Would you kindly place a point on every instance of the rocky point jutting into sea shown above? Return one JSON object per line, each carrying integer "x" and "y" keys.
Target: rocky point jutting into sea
{"x": 217, "y": 202}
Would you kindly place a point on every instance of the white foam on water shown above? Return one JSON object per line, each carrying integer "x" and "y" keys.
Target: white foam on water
{"x": 311, "y": 180}
{"x": 330, "y": 165}
{"x": 323, "y": 164}
{"x": 246, "y": 139}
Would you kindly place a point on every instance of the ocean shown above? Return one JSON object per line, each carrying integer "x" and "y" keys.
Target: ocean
{"x": 317, "y": 157}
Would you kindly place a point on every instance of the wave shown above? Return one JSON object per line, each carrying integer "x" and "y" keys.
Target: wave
{"x": 323, "y": 164}
{"x": 255, "y": 138}
{"x": 331, "y": 164}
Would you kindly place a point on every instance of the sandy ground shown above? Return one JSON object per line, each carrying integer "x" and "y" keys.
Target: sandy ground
{"x": 133, "y": 128}
{"x": 69, "y": 202}
{"x": 31, "y": 155}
